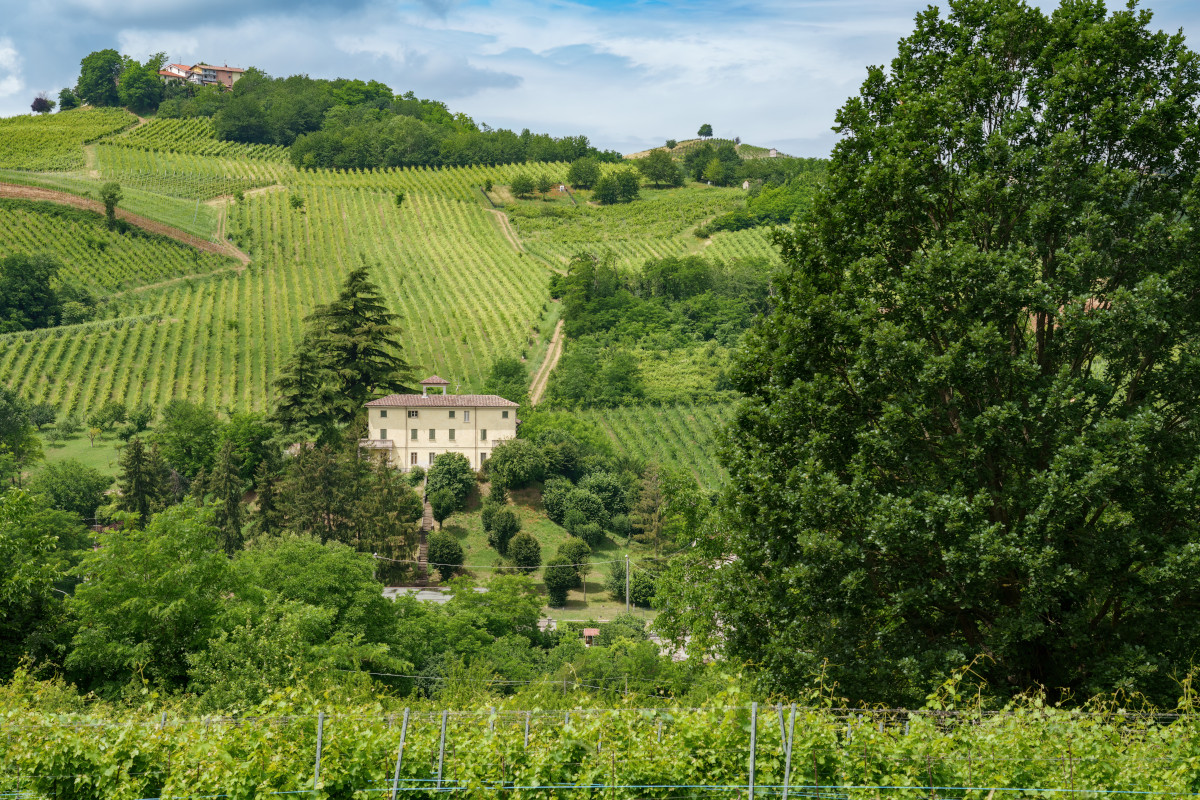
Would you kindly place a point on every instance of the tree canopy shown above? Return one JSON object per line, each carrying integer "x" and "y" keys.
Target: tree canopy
{"x": 971, "y": 426}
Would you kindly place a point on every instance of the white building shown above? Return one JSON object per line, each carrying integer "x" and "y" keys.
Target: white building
{"x": 413, "y": 429}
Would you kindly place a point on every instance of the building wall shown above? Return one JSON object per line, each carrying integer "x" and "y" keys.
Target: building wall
{"x": 476, "y": 432}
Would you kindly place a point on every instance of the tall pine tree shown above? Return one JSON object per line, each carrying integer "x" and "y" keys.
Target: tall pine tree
{"x": 351, "y": 353}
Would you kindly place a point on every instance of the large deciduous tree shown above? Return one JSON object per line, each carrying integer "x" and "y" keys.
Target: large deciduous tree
{"x": 98, "y": 74}
{"x": 972, "y": 424}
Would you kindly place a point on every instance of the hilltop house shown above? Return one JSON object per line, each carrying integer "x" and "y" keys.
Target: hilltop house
{"x": 412, "y": 429}
{"x": 201, "y": 74}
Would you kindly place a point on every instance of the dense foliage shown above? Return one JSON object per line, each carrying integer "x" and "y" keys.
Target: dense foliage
{"x": 670, "y": 303}
{"x": 971, "y": 427}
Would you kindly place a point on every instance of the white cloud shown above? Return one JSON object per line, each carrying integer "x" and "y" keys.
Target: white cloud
{"x": 141, "y": 44}
{"x": 11, "y": 80}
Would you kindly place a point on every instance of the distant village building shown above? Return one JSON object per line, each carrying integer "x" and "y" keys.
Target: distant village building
{"x": 412, "y": 429}
{"x": 201, "y": 74}
{"x": 746, "y": 185}
{"x": 774, "y": 153}
{"x": 175, "y": 73}
{"x": 589, "y": 636}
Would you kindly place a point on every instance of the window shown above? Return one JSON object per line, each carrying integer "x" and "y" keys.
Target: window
{"x": 412, "y": 413}
{"x": 432, "y": 434}
{"x": 503, "y": 415}
{"x": 431, "y": 457}
{"x": 452, "y": 413}
{"x": 482, "y": 458}
{"x": 383, "y": 413}
{"x": 412, "y": 459}
{"x": 483, "y": 434}
{"x": 452, "y": 434}
{"x": 414, "y": 434}
{"x": 466, "y": 416}
{"x": 383, "y": 433}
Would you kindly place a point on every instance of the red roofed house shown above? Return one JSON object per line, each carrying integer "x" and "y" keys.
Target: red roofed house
{"x": 175, "y": 72}
{"x": 413, "y": 429}
{"x": 208, "y": 75}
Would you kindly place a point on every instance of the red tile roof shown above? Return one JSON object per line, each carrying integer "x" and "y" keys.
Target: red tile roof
{"x": 434, "y": 380}
{"x": 442, "y": 401}
{"x": 224, "y": 69}
{"x": 591, "y": 631}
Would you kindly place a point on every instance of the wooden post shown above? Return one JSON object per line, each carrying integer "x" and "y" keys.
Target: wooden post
{"x": 320, "y": 736}
{"x": 399, "y": 755}
{"x": 442, "y": 749}
{"x": 787, "y": 762}
{"x": 753, "y": 744}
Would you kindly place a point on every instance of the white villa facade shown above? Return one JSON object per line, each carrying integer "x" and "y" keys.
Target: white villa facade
{"x": 412, "y": 429}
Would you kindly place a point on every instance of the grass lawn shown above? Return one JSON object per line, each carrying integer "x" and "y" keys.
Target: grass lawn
{"x": 103, "y": 456}
{"x": 467, "y": 528}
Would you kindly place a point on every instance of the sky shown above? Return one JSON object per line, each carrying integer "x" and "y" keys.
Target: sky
{"x": 628, "y": 74}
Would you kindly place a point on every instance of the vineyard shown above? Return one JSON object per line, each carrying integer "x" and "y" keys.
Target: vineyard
{"x": 93, "y": 256}
{"x": 627, "y": 751}
{"x": 55, "y": 142}
{"x": 183, "y": 175}
{"x": 658, "y": 225}
{"x": 679, "y": 436}
{"x": 194, "y": 136}
{"x": 465, "y": 297}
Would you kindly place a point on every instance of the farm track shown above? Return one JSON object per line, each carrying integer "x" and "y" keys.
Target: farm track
{"x": 18, "y": 192}
{"x": 548, "y": 364}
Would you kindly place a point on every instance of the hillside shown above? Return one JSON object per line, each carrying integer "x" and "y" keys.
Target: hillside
{"x": 467, "y": 271}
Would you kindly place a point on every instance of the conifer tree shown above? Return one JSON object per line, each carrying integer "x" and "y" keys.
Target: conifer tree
{"x": 351, "y": 353}
{"x": 143, "y": 480}
{"x": 225, "y": 488}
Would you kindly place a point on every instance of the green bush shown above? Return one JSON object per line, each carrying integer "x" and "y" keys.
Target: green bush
{"x": 445, "y": 552}
{"x": 505, "y": 525}
{"x": 641, "y": 584}
{"x": 576, "y": 551}
{"x": 525, "y": 551}
{"x": 559, "y": 577}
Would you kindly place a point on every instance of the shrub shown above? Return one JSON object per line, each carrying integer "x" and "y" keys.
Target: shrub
{"x": 641, "y": 584}
{"x": 591, "y": 533}
{"x": 442, "y": 504}
{"x": 610, "y": 489}
{"x": 505, "y": 525}
{"x": 576, "y": 551}
{"x": 516, "y": 463}
{"x": 416, "y": 475}
{"x": 522, "y": 185}
{"x": 554, "y": 499}
{"x": 583, "y": 173}
{"x": 588, "y": 504}
{"x": 525, "y": 551}
{"x": 559, "y": 576}
{"x": 445, "y": 552}
{"x": 621, "y": 527}
{"x": 490, "y": 507}
{"x": 452, "y": 472}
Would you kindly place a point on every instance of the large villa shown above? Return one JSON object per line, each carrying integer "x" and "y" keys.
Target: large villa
{"x": 412, "y": 429}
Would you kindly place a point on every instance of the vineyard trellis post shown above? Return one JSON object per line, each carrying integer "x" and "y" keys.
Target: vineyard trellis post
{"x": 787, "y": 759}
{"x": 320, "y": 736}
{"x": 399, "y": 755}
{"x": 442, "y": 749}
{"x": 527, "y": 714}
{"x": 753, "y": 744}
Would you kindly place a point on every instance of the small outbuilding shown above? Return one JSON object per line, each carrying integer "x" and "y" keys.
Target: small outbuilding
{"x": 589, "y": 636}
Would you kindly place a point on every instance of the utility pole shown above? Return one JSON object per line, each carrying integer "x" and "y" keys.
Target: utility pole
{"x": 627, "y": 583}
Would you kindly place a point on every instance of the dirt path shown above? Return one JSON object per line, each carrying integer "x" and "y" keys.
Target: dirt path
{"x": 548, "y": 364}
{"x": 19, "y": 192}
{"x": 507, "y": 229}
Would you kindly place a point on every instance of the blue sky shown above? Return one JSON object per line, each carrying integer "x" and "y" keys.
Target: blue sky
{"x": 627, "y": 73}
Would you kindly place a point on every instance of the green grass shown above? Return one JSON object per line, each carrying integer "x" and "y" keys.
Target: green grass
{"x": 104, "y": 455}
{"x": 467, "y": 529}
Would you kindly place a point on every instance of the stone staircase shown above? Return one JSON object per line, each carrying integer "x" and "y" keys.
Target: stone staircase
{"x": 422, "y": 575}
